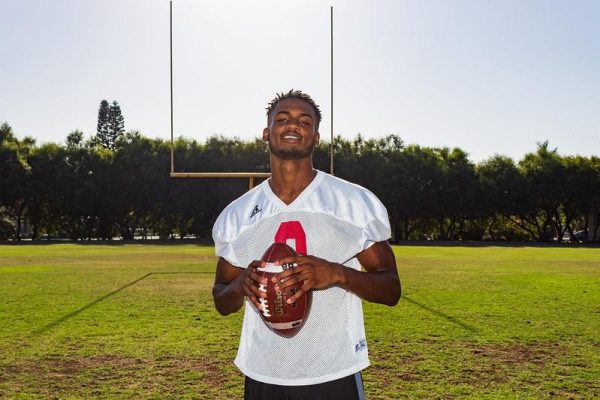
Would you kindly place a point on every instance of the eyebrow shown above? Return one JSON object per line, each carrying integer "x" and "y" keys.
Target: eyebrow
{"x": 302, "y": 115}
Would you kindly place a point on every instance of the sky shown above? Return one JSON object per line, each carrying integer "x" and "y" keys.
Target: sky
{"x": 490, "y": 77}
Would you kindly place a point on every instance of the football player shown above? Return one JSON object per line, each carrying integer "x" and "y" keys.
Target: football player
{"x": 336, "y": 228}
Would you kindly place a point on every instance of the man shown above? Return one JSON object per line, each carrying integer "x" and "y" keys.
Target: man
{"x": 335, "y": 227}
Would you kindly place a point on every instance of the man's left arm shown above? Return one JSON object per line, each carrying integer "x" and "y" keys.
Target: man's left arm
{"x": 379, "y": 283}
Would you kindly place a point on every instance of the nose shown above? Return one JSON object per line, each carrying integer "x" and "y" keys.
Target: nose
{"x": 292, "y": 122}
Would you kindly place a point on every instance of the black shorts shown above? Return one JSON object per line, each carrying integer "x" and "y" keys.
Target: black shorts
{"x": 348, "y": 388}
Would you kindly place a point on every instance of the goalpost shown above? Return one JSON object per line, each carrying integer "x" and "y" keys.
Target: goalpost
{"x": 249, "y": 175}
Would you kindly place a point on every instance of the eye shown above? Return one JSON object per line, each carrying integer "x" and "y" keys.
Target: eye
{"x": 281, "y": 120}
{"x": 304, "y": 123}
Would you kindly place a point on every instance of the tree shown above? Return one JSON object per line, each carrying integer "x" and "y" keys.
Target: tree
{"x": 111, "y": 124}
{"x": 456, "y": 194}
{"x": 582, "y": 187}
{"x": 83, "y": 190}
{"x": 75, "y": 139}
{"x": 102, "y": 134}
{"x": 545, "y": 179}
{"x": 503, "y": 192}
{"x": 14, "y": 174}
{"x": 45, "y": 189}
{"x": 116, "y": 122}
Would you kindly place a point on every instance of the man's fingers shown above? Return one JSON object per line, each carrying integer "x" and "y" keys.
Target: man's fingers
{"x": 250, "y": 295}
{"x": 251, "y": 282}
{"x": 299, "y": 293}
{"x": 257, "y": 278}
{"x": 291, "y": 281}
{"x": 305, "y": 286}
{"x": 283, "y": 276}
{"x": 256, "y": 264}
{"x": 255, "y": 292}
{"x": 255, "y": 302}
{"x": 251, "y": 286}
{"x": 298, "y": 260}
{"x": 248, "y": 291}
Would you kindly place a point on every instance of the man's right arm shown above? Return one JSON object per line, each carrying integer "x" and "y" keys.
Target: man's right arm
{"x": 232, "y": 284}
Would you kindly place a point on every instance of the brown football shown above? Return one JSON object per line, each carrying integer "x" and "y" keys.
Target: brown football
{"x": 282, "y": 318}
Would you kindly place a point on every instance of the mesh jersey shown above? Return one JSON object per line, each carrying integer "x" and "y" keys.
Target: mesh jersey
{"x": 331, "y": 219}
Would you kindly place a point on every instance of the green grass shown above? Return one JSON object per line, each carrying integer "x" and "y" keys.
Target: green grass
{"x": 137, "y": 321}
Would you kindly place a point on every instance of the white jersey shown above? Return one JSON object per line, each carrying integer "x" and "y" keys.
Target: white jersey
{"x": 331, "y": 219}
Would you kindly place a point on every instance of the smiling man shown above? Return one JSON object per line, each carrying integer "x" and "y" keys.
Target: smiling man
{"x": 336, "y": 227}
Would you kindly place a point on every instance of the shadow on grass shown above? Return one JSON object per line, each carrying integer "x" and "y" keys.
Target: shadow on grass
{"x": 67, "y": 317}
{"x": 72, "y": 314}
{"x": 440, "y": 314}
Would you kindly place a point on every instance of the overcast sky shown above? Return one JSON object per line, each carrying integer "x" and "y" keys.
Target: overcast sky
{"x": 486, "y": 76}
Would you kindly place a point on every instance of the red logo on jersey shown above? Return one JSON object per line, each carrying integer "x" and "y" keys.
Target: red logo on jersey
{"x": 292, "y": 230}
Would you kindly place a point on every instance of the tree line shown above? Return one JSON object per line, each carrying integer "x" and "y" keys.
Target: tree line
{"x": 84, "y": 189}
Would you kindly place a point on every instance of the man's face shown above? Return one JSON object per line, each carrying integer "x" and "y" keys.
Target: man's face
{"x": 292, "y": 132}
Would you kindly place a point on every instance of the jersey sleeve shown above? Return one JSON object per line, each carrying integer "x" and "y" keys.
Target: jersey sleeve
{"x": 377, "y": 227}
{"x": 223, "y": 242}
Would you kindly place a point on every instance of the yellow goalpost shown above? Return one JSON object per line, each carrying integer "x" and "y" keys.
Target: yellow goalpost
{"x": 251, "y": 176}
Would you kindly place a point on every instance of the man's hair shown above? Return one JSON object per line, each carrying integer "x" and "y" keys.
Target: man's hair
{"x": 294, "y": 94}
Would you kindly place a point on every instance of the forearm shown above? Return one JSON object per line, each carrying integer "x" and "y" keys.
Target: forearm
{"x": 374, "y": 286}
{"x": 228, "y": 297}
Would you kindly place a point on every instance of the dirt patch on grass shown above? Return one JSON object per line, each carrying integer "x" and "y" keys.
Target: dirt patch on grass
{"x": 467, "y": 364}
{"x": 494, "y": 364}
{"x": 517, "y": 353}
{"x": 390, "y": 367}
{"x": 106, "y": 374}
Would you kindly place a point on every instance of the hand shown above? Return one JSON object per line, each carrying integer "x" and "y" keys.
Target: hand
{"x": 315, "y": 272}
{"x": 249, "y": 281}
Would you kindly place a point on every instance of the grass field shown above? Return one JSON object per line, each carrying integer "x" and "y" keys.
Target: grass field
{"x": 137, "y": 321}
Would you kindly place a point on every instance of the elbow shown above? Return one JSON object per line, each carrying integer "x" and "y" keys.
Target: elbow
{"x": 219, "y": 309}
{"x": 225, "y": 305}
{"x": 224, "y": 311}
{"x": 395, "y": 295}
{"x": 393, "y": 300}
{"x": 218, "y": 302}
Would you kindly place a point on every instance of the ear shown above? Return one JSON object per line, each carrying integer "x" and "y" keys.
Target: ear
{"x": 266, "y": 134}
{"x": 317, "y": 138}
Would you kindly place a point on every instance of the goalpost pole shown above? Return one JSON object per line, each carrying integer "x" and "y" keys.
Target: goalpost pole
{"x": 331, "y": 110}
{"x": 171, "y": 74}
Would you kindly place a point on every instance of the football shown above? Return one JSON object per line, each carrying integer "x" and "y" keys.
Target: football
{"x": 282, "y": 318}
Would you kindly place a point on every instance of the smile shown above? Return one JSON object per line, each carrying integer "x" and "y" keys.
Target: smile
{"x": 290, "y": 136}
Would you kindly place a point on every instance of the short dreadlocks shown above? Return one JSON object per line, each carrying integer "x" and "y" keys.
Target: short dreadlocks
{"x": 295, "y": 94}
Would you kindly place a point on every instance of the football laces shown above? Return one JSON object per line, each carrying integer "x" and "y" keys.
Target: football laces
{"x": 263, "y": 302}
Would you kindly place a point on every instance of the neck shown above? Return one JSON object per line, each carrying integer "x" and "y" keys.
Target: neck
{"x": 290, "y": 177}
